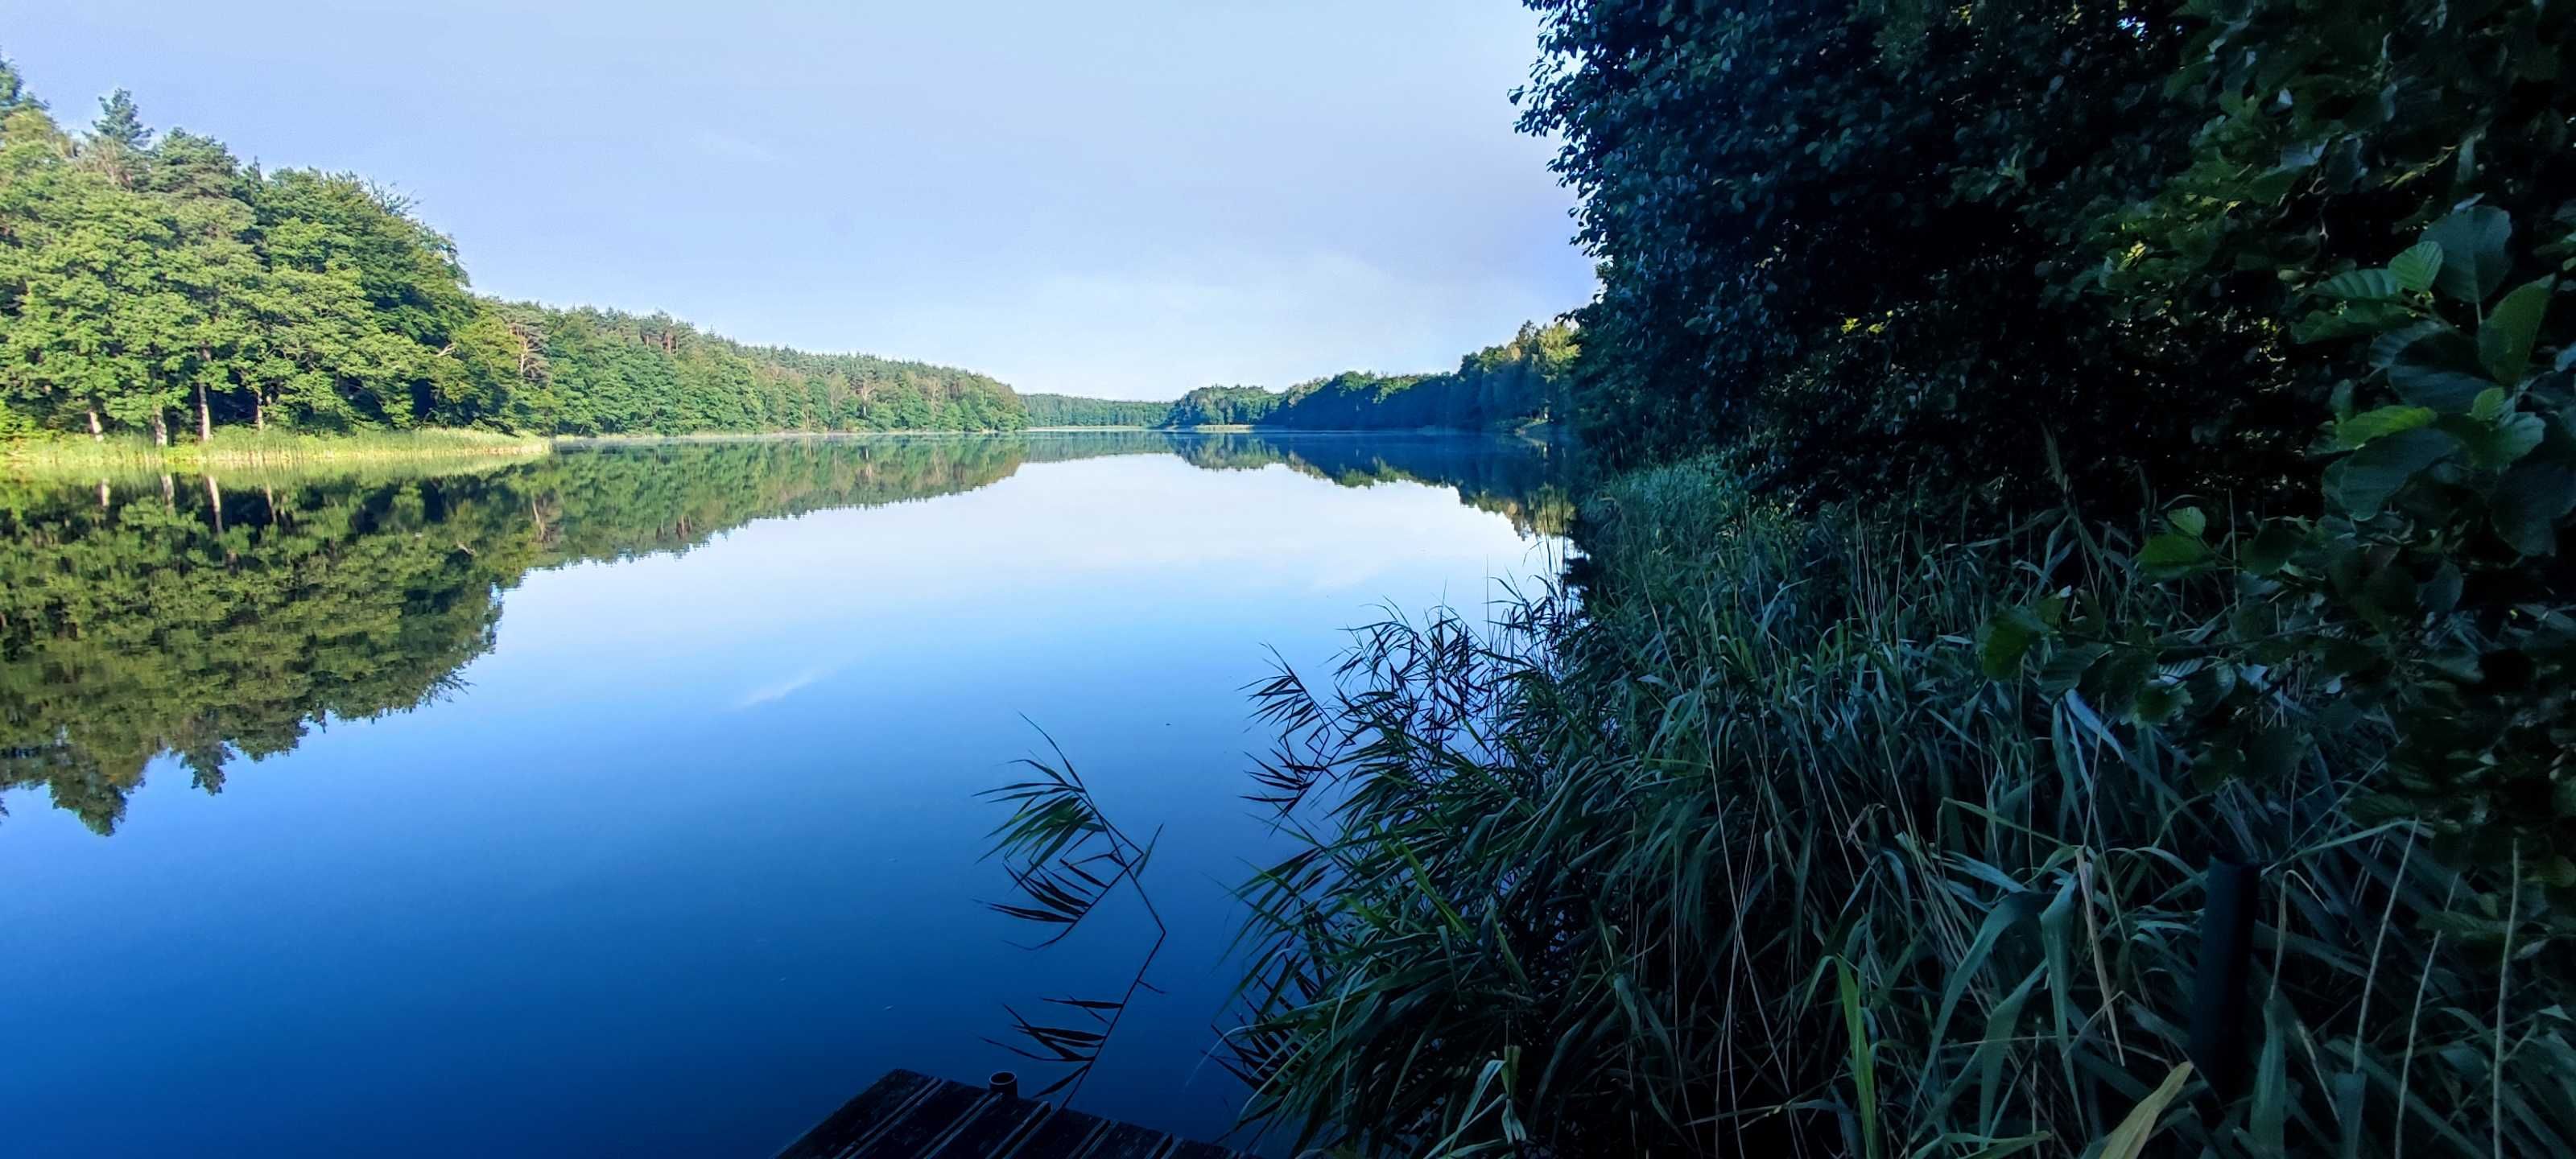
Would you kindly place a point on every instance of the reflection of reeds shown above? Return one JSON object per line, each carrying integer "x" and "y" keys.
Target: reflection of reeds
{"x": 1065, "y": 857}
{"x": 1751, "y": 857}
{"x": 57, "y": 457}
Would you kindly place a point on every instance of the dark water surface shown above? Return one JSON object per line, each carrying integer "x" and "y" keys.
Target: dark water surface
{"x": 621, "y": 803}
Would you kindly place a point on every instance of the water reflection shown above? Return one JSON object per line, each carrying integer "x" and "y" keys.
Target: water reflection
{"x": 223, "y": 616}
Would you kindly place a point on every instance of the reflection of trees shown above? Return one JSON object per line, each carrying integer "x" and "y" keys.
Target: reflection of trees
{"x": 146, "y": 625}
{"x": 214, "y": 619}
{"x": 1519, "y": 479}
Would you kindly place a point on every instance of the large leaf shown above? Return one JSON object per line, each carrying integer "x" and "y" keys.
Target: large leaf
{"x": 2008, "y": 635}
{"x": 2361, "y": 285}
{"x": 2363, "y": 482}
{"x": 2351, "y": 319}
{"x": 2530, "y": 500}
{"x": 2499, "y": 442}
{"x": 2272, "y": 547}
{"x": 2474, "y": 262}
{"x": 2443, "y": 388}
{"x": 2393, "y": 345}
{"x": 2171, "y": 555}
{"x": 2506, "y": 338}
{"x": 2361, "y": 429}
{"x": 2418, "y": 266}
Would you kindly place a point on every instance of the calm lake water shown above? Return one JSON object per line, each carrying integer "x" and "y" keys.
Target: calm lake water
{"x": 622, "y": 803}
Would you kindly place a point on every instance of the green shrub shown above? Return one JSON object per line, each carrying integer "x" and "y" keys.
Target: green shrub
{"x": 1887, "y": 247}
{"x": 2427, "y": 607}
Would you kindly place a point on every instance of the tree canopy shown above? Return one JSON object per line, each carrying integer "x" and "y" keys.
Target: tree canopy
{"x": 151, "y": 278}
{"x": 1065, "y": 410}
{"x": 1510, "y": 385}
{"x": 1899, "y": 247}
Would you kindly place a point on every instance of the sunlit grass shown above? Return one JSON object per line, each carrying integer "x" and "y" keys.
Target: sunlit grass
{"x": 233, "y": 448}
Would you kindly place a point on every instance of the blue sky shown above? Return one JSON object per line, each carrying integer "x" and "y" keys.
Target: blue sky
{"x": 1114, "y": 198}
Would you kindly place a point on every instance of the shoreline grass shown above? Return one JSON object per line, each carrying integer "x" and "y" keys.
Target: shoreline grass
{"x": 1754, "y": 854}
{"x": 235, "y": 449}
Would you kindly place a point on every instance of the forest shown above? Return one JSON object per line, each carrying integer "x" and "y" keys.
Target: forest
{"x": 1509, "y": 386}
{"x": 154, "y": 286}
{"x": 1065, "y": 410}
{"x": 152, "y": 283}
{"x": 2072, "y": 643}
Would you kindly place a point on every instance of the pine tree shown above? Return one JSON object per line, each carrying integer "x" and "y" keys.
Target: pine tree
{"x": 120, "y": 123}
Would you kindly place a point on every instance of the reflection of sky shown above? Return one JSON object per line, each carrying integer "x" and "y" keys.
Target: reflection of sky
{"x": 692, "y": 856}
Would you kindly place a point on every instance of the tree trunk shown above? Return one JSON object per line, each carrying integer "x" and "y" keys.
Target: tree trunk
{"x": 205, "y": 417}
{"x": 259, "y": 414}
{"x": 160, "y": 429}
{"x": 97, "y": 433}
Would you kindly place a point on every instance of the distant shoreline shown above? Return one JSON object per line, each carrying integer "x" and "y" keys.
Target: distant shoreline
{"x": 74, "y": 455}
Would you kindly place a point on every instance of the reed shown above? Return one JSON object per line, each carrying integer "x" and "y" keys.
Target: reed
{"x": 1740, "y": 848}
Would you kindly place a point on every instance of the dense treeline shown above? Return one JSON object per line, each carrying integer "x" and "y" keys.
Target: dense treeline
{"x": 1223, "y": 406}
{"x": 1515, "y": 384}
{"x": 2077, "y": 658}
{"x": 151, "y": 280}
{"x": 1065, "y": 410}
{"x": 602, "y": 372}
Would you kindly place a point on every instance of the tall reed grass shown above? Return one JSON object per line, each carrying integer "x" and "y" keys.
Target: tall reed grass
{"x": 1752, "y": 857}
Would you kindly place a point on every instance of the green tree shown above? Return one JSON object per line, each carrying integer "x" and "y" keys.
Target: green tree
{"x": 140, "y": 277}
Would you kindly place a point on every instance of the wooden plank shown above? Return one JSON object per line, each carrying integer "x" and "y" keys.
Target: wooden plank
{"x": 1064, "y": 1133}
{"x": 996, "y": 1130}
{"x": 882, "y": 1101}
{"x": 1128, "y": 1141}
{"x": 915, "y": 1133}
{"x": 912, "y": 1116}
{"x": 1193, "y": 1149}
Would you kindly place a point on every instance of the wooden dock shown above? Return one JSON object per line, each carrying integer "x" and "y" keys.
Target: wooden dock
{"x": 914, "y": 1116}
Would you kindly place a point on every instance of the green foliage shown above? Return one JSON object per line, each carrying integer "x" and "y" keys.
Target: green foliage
{"x": 603, "y": 372}
{"x": 140, "y": 279}
{"x": 1509, "y": 386}
{"x": 1815, "y": 829}
{"x": 1753, "y": 857}
{"x": 2426, "y": 608}
{"x": 1064, "y": 410}
{"x": 1223, "y": 406}
{"x": 1943, "y": 237}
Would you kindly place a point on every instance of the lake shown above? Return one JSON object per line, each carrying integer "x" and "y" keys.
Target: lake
{"x": 623, "y": 801}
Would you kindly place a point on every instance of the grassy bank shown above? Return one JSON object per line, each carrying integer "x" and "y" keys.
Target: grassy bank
{"x": 1764, "y": 853}
{"x": 233, "y": 449}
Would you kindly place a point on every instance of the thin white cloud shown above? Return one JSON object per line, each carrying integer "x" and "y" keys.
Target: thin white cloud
{"x": 782, "y": 689}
